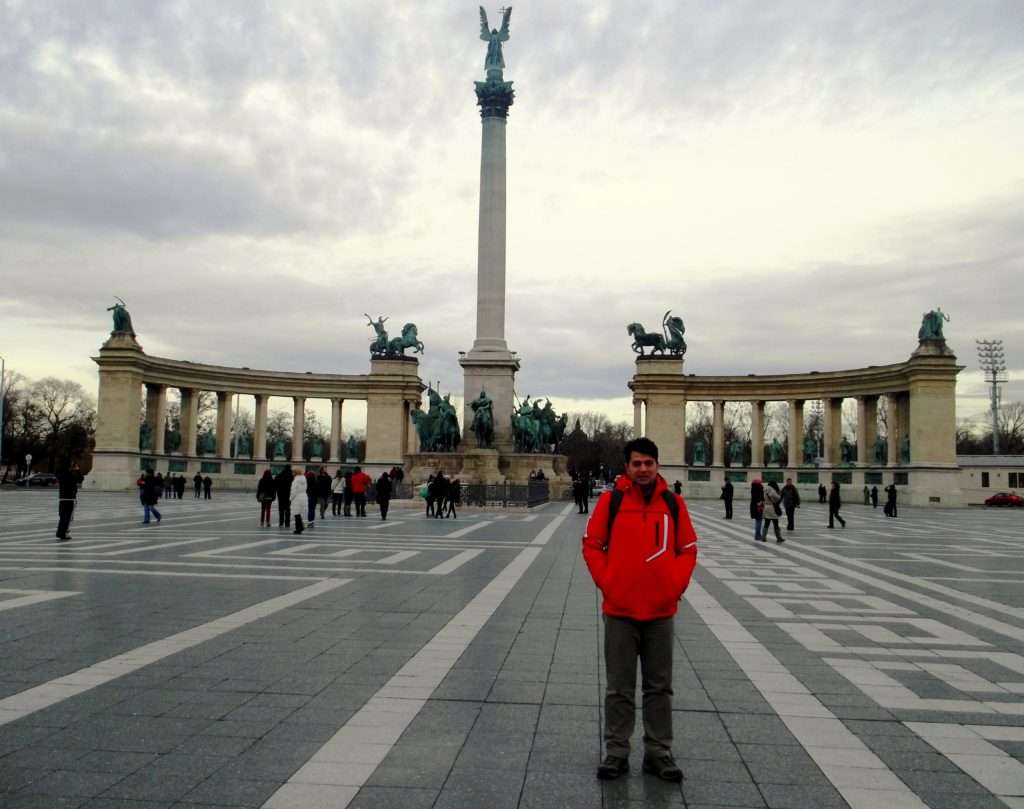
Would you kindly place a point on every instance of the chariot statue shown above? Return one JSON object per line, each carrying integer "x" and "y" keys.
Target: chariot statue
{"x": 384, "y": 346}
{"x": 670, "y": 340}
{"x": 122, "y": 320}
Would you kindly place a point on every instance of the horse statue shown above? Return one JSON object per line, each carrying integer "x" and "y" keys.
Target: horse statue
{"x": 642, "y": 339}
{"x": 397, "y": 346}
{"x": 483, "y": 420}
{"x": 525, "y": 432}
{"x": 379, "y": 346}
{"x": 670, "y": 340}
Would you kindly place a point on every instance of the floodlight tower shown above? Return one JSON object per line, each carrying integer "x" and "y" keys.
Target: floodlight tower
{"x": 993, "y": 363}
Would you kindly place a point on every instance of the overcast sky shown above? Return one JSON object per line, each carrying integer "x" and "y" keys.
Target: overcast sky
{"x": 799, "y": 181}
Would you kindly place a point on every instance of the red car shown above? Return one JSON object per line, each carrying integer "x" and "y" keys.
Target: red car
{"x": 1005, "y": 499}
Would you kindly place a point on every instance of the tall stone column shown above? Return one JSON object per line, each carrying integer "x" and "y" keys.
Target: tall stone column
{"x": 867, "y": 427}
{"x": 718, "y": 433}
{"x": 796, "y": 432}
{"x": 833, "y": 430}
{"x": 489, "y": 365}
{"x": 298, "y": 428}
{"x": 223, "y": 424}
{"x": 156, "y": 415}
{"x": 757, "y": 434}
{"x": 189, "y": 420}
{"x": 892, "y": 426}
{"x": 335, "y": 440}
{"x": 259, "y": 439}
{"x": 638, "y": 418}
{"x": 666, "y": 426}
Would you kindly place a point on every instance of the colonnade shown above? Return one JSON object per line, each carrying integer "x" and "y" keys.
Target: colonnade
{"x": 391, "y": 391}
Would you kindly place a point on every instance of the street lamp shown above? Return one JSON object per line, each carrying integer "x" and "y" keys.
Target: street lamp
{"x": 993, "y": 363}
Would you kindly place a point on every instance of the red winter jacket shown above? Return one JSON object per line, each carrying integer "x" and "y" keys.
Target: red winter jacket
{"x": 360, "y": 482}
{"x": 644, "y": 570}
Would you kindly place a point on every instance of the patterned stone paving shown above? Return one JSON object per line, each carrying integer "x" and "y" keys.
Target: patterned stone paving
{"x": 208, "y": 662}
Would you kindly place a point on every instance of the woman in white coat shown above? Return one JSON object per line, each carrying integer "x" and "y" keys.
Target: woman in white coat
{"x": 298, "y": 499}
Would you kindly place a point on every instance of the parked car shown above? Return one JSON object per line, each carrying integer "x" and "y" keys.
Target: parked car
{"x": 1005, "y": 499}
{"x": 38, "y": 479}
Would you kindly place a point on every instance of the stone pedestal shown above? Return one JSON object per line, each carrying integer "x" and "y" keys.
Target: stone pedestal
{"x": 481, "y": 466}
{"x": 495, "y": 373}
{"x": 421, "y": 465}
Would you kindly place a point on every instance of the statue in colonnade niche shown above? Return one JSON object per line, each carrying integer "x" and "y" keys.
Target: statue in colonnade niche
{"x": 699, "y": 453}
{"x": 931, "y": 325}
{"x": 122, "y": 320}
{"x": 905, "y": 450}
{"x": 172, "y": 439}
{"x": 881, "y": 450}
{"x": 316, "y": 447}
{"x": 351, "y": 450}
{"x": 279, "y": 447}
{"x": 810, "y": 449}
{"x": 846, "y": 451}
{"x": 145, "y": 436}
{"x": 207, "y": 445}
{"x": 735, "y": 453}
{"x": 775, "y": 451}
{"x": 244, "y": 446}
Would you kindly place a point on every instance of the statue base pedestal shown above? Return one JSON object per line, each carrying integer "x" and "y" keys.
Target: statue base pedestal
{"x": 316, "y": 459}
{"x": 280, "y": 458}
{"x": 481, "y": 466}
{"x": 421, "y": 465}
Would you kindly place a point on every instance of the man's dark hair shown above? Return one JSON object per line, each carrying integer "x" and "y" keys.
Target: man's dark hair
{"x": 642, "y": 445}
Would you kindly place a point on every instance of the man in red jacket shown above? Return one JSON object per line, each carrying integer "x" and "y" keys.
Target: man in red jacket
{"x": 641, "y": 549}
{"x": 360, "y": 483}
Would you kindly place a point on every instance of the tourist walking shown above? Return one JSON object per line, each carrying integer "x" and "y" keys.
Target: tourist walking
{"x": 383, "y": 494}
{"x": 337, "y": 493}
{"x": 757, "y": 507}
{"x": 874, "y": 497}
{"x": 197, "y": 484}
{"x": 822, "y": 493}
{"x": 311, "y": 495}
{"x": 772, "y": 510}
{"x": 360, "y": 483}
{"x": 283, "y": 485}
{"x": 167, "y": 484}
{"x": 347, "y": 495}
{"x": 265, "y": 493}
{"x": 790, "y": 502}
{"x": 890, "y": 501}
{"x": 641, "y": 592}
{"x": 150, "y": 496}
{"x": 297, "y": 497}
{"x": 207, "y": 486}
{"x": 577, "y": 494}
{"x": 439, "y": 486}
{"x": 726, "y": 497}
{"x": 834, "y": 503}
{"x": 867, "y": 495}
{"x": 68, "y": 482}
{"x": 454, "y": 497}
{"x": 323, "y": 490}
{"x": 429, "y": 497}
{"x": 179, "y": 486}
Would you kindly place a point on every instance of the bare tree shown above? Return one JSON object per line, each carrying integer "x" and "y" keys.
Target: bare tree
{"x": 591, "y": 422}
{"x": 1011, "y": 428}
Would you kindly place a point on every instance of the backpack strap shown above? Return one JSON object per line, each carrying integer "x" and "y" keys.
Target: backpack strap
{"x": 673, "y": 508}
{"x": 613, "y": 508}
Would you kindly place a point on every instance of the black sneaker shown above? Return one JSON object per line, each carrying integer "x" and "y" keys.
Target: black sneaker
{"x": 612, "y": 767}
{"x": 664, "y": 767}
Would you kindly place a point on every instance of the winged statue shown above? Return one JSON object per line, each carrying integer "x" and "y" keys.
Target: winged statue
{"x": 495, "y": 62}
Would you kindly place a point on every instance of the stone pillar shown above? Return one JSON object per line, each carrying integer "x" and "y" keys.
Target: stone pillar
{"x": 156, "y": 415}
{"x": 833, "y": 417}
{"x": 223, "y": 424}
{"x": 867, "y": 429}
{"x": 718, "y": 433}
{"x": 666, "y": 427}
{"x": 334, "y": 450}
{"x": 298, "y": 428}
{"x": 117, "y": 411}
{"x": 189, "y": 420}
{"x": 638, "y": 418}
{"x": 259, "y": 438}
{"x": 796, "y": 432}
{"x": 892, "y": 429}
{"x": 757, "y": 434}
{"x": 904, "y": 423}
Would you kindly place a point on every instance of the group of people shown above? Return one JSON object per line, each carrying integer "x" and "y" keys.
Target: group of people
{"x": 871, "y": 498}
{"x": 298, "y": 491}
{"x": 442, "y": 495}
{"x": 172, "y": 487}
{"x": 581, "y": 493}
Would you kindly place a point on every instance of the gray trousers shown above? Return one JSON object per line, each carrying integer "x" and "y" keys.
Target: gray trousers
{"x": 625, "y": 640}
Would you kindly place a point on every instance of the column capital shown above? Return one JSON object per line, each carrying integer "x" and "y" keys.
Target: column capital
{"x": 494, "y": 97}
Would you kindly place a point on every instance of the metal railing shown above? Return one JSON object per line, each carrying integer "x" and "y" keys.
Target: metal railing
{"x": 530, "y": 494}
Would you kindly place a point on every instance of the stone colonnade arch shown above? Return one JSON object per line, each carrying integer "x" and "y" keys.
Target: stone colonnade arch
{"x": 391, "y": 390}
{"x": 921, "y": 440}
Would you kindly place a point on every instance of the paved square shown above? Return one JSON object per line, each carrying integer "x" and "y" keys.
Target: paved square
{"x": 208, "y": 662}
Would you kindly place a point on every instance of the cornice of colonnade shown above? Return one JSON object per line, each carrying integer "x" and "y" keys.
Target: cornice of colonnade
{"x": 397, "y": 376}
{"x": 664, "y": 376}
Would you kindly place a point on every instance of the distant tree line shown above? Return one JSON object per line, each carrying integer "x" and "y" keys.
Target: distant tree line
{"x": 974, "y": 433}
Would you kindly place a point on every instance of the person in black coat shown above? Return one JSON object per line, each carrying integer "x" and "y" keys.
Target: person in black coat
{"x": 197, "y": 483}
{"x": 439, "y": 488}
{"x": 756, "y": 508}
{"x": 822, "y": 493}
{"x": 283, "y": 484}
{"x": 890, "y": 501}
{"x": 207, "y": 486}
{"x": 323, "y": 490}
{"x": 68, "y": 480}
{"x": 726, "y": 497}
{"x": 454, "y": 497}
{"x": 834, "y": 502}
{"x": 790, "y": 502}
{"x": 151, "y": 490}
{"x": 347, "y": 496}
{"x": 874, "y": 497}
{"x": 384, "y": 494}
{"x": 266, "y": 491}
{"x": 311, "y": 495}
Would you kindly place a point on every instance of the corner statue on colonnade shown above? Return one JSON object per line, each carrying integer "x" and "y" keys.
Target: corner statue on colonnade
{"x": 122, "y": 320}
{"x": 670, "y": 340}
{"x": 931, "y": 325}
{"x": 383, "y": 346}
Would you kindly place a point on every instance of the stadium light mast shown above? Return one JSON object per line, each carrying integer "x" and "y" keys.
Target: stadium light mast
{"x": 993, "y": 363}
